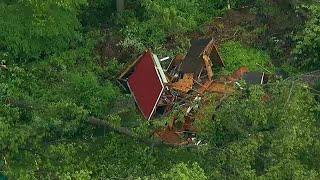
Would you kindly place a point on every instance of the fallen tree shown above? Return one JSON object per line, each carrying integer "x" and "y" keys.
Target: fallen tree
{"x": 127, "y": 132}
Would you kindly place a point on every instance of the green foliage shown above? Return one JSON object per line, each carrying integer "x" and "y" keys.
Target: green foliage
{"x": 87, "y": 92}
{"x": 308, "y": 43}
{"x": 182, "y": 171}
{"x": 35, "y": 29}
{"x": 160, "y": 25}
{"x": 98, "y": 13}
{"x": 240, "y": 3}
{"x": 159, "y": 22}
{"x": 236, "y": 55}
{"x": 268, "y": 139}
{"x": 206, "y": 118}
{"x": 50, "y": 101}
{"x": 45, "y": 105}
{"x": 223, "y": 4}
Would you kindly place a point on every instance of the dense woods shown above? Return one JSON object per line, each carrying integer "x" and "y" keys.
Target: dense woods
{"x": 60, "y": 59}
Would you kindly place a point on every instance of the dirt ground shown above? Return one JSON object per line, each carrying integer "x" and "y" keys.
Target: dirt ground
{"x": 228, "y": 27}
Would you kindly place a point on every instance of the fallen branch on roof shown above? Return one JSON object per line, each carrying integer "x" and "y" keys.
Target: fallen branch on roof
{"x": 127, "y": 132}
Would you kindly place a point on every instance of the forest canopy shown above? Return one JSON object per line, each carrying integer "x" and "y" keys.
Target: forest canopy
{"x": 59, "y": 60}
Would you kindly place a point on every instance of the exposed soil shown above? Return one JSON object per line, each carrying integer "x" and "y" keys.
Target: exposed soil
{"x": 227, "y": 27}
{"x": 109, "y": 49}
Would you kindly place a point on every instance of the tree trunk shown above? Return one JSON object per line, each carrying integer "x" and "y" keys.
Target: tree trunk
{"x": 120, "y": 5}
{"x": 128, "y": 133}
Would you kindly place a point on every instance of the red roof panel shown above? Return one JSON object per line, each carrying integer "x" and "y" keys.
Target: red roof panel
{"x": 145, "y": 85}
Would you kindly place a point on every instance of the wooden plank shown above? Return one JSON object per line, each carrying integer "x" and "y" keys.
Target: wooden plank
{"x": 208, "y": 63}
{"x": 185, "y": 84}
{"x": 204, "y": 88}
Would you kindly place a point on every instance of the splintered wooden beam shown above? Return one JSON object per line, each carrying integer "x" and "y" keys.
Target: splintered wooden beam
{"x": 208, "y": 65}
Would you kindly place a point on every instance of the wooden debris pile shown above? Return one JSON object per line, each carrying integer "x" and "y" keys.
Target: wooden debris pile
{"x": 181, "y": 86}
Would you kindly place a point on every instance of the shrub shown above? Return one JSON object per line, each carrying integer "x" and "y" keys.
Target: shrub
{"x": 307, "y": 50}
{"x": 159, "y": 22}
{"x": 31, "y": 30}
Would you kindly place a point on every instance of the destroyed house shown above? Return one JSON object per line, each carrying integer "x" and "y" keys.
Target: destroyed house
{"x": 182, "y": 85}
{"x": 145, "y": 79}
{"x": 155, "y": 89}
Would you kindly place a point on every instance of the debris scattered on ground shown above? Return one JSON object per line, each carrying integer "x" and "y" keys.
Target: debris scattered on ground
{"x": 183, "y": 84}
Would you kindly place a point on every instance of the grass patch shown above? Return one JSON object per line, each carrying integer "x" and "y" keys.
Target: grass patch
{"x": 236, "y": 55}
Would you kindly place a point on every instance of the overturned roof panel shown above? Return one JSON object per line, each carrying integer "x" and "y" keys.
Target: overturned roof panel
{"x": 193, "y": 62}
{"x": 146, "y": 85}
